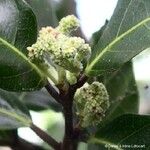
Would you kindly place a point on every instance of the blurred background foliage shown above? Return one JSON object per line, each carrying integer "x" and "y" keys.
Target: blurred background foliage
{"x": 49, "y": 116}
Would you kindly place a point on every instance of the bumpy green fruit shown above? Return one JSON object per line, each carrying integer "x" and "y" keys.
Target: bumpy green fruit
{"x": 68, "y": 24}
{"x": 92, "y": 102}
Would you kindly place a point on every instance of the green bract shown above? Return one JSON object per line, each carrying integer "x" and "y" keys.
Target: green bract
{"x": 56, "y": 44}
{"x": 92, "y": 102}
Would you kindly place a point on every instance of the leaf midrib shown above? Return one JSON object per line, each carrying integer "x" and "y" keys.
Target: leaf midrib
{"x": 104, "y": 142}
{"x": 136, "y": 131}
{"x": 90, "y": 66}
{"x": 22, "y": 55}
{"x": 25, "y": 121}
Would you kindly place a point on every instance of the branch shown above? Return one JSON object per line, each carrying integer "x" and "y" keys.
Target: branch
{"x": 45, "y": 137}
{"x": 70, "y": 139}
{"x": 53, "y": 92}
{"x": 82, "y": 79}
{"x": 67, "y": 102}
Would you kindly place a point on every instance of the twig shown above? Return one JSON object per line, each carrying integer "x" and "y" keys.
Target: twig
{"x": 67, "y": 100}
{"x": 53, "y": 92}
{"x": 45, "y": 137}
{"x": 69, "y": 142}
{"x": 83, "y": 78}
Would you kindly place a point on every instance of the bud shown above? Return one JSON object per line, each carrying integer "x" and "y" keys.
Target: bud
{"x": 92, "y": 102}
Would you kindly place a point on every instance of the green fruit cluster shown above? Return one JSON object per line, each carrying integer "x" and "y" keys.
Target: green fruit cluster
{"x": 92, "y": 102}
{"x": 60, "y": 47}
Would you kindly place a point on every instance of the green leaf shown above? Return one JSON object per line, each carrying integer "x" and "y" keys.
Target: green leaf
{"x": 39, "y": 100}
{"x": 125, "y": 130}
{"x": 123, "y": 92}
{"x": 18, "y": 30}
{"x": 126, "y": 35}
{"x": 17, "y": 24}
{"x": 13, "y": 113}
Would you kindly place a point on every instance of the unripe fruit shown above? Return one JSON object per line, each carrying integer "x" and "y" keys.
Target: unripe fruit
{"x": 92, "y": 102}
{"x": 56, "y": 43}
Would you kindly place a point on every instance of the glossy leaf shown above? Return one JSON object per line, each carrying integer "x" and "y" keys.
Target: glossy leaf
{"x": 18, "y": 30}
{"x": 126, "y": 35}
{"x": 127, "y": 130}
{"x": 17, "y": 24}
{"x": 13, "y": 114}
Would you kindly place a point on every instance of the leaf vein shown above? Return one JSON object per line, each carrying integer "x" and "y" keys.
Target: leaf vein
{"x": 123, "y": 18}
{"x": 133, "y": 133}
